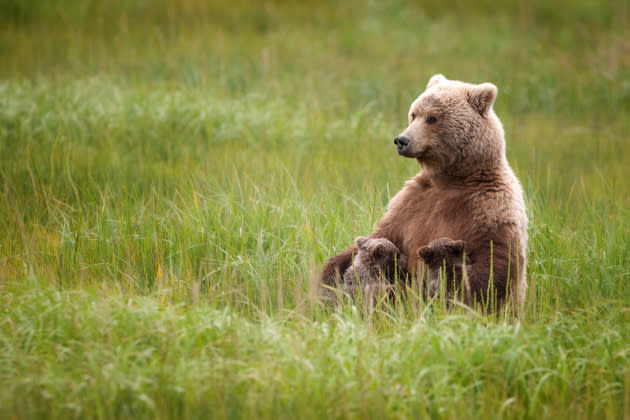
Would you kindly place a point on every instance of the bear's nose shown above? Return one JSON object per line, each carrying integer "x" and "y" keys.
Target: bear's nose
{"x": 401, "y": 143}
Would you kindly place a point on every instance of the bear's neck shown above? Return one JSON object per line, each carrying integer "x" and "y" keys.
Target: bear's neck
{"x": 458, "y": 174}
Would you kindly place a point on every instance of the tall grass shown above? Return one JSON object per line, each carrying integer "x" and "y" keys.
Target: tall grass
{"x": 173, "y": 175}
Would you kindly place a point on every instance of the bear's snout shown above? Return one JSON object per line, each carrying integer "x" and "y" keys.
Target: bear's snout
{"x": 402, "y": 144}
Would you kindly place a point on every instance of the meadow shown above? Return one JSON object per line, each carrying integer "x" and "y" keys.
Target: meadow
{"x": 174, "y": 174}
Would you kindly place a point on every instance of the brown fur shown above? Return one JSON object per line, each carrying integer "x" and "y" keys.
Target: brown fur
{"x": 376, "y": 267}
{"x": 466, "y": 190}
{"x": 446, "y": 268}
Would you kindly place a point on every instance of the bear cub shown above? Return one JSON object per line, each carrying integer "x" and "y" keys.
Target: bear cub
{"x": 377, "y": 265}
{"x": 445, "y": 262}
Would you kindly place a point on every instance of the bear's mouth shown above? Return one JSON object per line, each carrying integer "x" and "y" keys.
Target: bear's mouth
{"x": 408, "y": 153}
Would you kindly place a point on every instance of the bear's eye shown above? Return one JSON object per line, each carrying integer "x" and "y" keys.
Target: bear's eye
{"x": 378, "y": 252}
{"x": 431, "y": 120}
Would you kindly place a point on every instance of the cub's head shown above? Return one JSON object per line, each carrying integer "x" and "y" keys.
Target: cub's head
{"x": 443, "y": 249}
{"x": 444, "y": 257}
{"x": 452, "y": 126}
{"x": 377, "y": 252}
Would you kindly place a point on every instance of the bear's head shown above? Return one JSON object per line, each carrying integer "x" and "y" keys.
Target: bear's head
{"x": 377, "y": 253}
{"x": 453, "y": 129}
{"x": 444, "y": 257}
{"x": 443, "y": 249}
{"x": 377, "y": 263}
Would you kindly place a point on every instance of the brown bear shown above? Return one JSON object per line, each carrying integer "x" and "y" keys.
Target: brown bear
{"x": 465, "y": 190}
{"x": 446, "y": 268}
{"x": 377, "y": 266}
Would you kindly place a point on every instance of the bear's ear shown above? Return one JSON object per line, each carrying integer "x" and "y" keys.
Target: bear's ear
{"x": 426, "y": 253}
{"x": 481, "y": 97}
{"x": 361, "y": 241}
{"x": 435, "y": 80}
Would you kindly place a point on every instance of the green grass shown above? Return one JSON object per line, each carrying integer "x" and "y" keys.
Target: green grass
{"x": 173, "y": 175}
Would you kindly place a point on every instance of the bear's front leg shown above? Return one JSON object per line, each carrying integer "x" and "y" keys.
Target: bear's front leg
{"x": 494, "y": 280}
{"x": 332, "y": 273}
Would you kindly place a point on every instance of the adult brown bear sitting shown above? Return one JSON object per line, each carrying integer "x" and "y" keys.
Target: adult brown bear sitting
{"x": 465, "y": 190}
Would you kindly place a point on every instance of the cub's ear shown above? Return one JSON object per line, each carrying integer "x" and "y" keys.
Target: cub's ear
{"x": 435, "y": 80}
{"x": 361, "y": 241}
{"x": 481, "y": 97}
{"x": 458, "y": 246}
{"x": 426, "y": 253}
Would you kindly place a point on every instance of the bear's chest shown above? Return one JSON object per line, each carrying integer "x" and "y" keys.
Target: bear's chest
{"x": 438, "y": 215}
{"x": 426, "y": 213}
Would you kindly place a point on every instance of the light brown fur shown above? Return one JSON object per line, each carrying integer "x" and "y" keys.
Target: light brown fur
{"x": 466, "y": 190}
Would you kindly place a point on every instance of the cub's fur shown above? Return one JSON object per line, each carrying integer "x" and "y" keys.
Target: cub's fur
{"x": 446, "y": 268}
{"x": 377, "y": 266}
